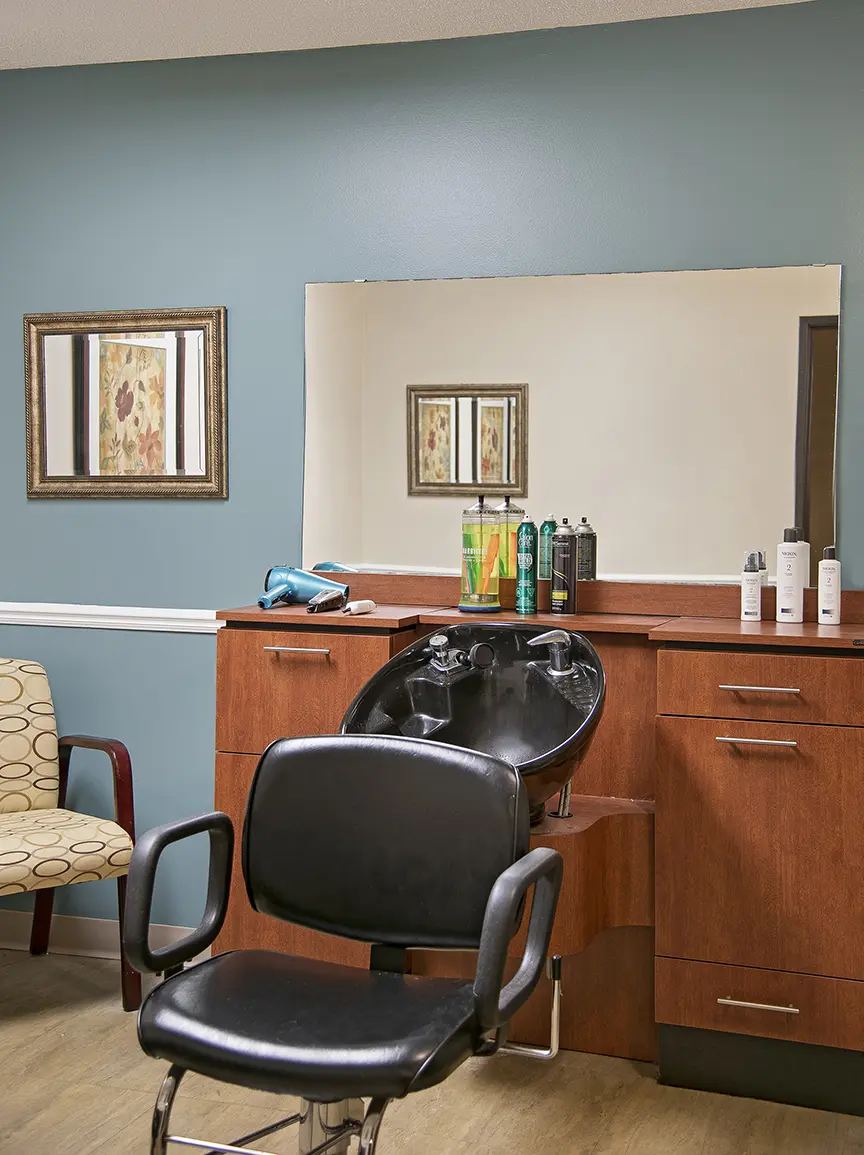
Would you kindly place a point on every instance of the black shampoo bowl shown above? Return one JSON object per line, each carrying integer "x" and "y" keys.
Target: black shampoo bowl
{"x": 531, "y": 696}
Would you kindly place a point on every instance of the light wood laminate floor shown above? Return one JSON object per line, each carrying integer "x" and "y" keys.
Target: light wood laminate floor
{"x": 76, "y": 1083}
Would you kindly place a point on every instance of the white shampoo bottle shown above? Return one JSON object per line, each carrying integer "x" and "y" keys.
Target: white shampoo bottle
{"x": 751, "y": 589}
{"x": 829, "y": 588}
{"x": 793, "y": 559}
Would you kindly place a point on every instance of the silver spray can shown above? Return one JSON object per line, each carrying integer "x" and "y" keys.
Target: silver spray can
{"x": 586, "y": 551}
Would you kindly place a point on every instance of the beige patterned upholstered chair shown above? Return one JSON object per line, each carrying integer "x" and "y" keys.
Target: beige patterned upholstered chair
{"x": 43, "y": 845}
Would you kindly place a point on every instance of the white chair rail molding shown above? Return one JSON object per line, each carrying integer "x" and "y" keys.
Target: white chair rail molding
{"x": 157, "y": 620}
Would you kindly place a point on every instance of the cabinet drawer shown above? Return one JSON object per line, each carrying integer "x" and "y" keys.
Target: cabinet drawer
{"x": 282, "y": 684}
{"x": 759, "y": 852}
{"x": 769, "y": 687}
{"x": 803, "y": 1008}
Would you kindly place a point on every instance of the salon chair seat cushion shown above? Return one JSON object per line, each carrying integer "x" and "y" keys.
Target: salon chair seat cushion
{"x": 325, "y": 1032}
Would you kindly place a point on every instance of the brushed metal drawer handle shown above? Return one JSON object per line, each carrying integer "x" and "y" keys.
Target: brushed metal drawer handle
{"x": 729, "y": 1002}
{"x": 294, "y": 650}
{"x": 758, "y": 741}
{"x": 760, "y": 689}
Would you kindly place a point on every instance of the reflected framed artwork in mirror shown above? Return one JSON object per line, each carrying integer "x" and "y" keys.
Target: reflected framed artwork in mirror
{"x": 467, "y": 438}
{"x": 126, "y": 404}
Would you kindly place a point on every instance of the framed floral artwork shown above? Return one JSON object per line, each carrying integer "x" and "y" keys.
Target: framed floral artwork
{"x": 493, "y": 432}
{"x": 135, "y": 383}
{"x": 467, "y": 438}
{"x": 126, "y": 404}
{"x": 437, "y": 428}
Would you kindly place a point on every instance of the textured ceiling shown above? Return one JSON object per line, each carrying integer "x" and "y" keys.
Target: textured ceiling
{"x": 38, "y": 33}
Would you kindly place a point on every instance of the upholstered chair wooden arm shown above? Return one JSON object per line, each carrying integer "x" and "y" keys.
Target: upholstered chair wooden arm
{"x": 121, "y": 765}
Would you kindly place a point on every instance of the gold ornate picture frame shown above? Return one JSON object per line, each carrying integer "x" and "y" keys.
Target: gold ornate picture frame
{"x": 465, "y": 439}
{"x": 129, "y": 386}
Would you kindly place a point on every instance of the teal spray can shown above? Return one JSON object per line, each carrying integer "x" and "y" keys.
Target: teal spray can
{"x": 526, "y": 567}
{"x": 544, "y": 561}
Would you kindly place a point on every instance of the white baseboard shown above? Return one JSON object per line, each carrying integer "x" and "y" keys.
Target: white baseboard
{"x": 109, "y": 617}
{"x": 70, "y": 934}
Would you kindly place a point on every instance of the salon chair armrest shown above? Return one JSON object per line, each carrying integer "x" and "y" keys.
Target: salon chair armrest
{"x": 543, "y": 869}
{"x": 142, "y": 877}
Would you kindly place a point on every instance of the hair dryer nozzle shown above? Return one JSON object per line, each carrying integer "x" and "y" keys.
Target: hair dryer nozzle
{"x": 275, "y": 594}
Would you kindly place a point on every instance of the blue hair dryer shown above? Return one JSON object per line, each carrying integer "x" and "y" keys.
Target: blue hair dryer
{"x": 286, "y": 584}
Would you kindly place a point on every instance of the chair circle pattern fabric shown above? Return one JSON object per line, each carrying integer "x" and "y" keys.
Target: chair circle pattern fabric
{"x": 40, "y": 848}
{"x": 29, "y": 767}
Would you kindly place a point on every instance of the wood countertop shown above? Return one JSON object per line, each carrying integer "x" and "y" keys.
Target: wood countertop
{"x": 384, "y": 617}
{"x": 393, "y": 617}
{"x": 656, "y": 628}
{"x": 728, "y": 631}
{"x": 584, "y": 623}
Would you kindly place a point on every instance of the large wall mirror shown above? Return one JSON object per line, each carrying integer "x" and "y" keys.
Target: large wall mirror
{"x": 690, "y": 416}
{"x": 126, "y": 404}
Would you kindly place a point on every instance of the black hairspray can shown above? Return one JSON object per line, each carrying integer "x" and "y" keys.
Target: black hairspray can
{"x": 563, "y": 599}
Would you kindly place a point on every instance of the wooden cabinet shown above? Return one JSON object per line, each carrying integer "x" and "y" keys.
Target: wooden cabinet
{"x": 294, "y": 679}
{"x": 759, "y": 854}
{"x": 767, "y": 687}
{"x": 773, "y": 1004}
{"x": 620, "y": 760}
{"x": 282, "y": 673}
{"x": 282, "y": 683}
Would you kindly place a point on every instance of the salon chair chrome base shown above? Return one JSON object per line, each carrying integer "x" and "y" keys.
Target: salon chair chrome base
{"x": 452, "y": 872}
{"x": 322, "y": 1126}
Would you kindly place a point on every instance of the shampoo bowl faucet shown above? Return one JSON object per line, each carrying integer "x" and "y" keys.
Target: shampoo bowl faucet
{"x": 558, "y": 642}
{"x": 480, "y": 657}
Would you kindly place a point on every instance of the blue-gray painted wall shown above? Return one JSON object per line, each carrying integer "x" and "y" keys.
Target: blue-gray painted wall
{"x": 156, "y": 692}
{"x": 726, "y": 140}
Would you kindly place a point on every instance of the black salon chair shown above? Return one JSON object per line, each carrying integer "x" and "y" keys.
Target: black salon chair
{"x": 398, "y": 842}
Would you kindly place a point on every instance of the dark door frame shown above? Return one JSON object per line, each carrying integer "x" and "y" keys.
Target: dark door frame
{"x": 806, "y": 328}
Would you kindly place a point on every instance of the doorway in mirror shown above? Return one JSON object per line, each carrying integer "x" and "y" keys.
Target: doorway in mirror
{"x": 816, "y": 434}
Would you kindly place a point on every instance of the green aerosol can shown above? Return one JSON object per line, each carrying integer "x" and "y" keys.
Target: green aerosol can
{"x": 544, "y": 560}
{"x": 526, "y": 567}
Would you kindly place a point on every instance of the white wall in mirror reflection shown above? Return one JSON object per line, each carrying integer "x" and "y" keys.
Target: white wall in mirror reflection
{"x": 663, "y": 408}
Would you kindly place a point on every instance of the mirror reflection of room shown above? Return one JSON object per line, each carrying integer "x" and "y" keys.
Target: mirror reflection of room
{"x": 688, "y": 415}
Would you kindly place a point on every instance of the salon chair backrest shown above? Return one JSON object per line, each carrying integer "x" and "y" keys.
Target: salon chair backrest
{"x": 416, "y": 834}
